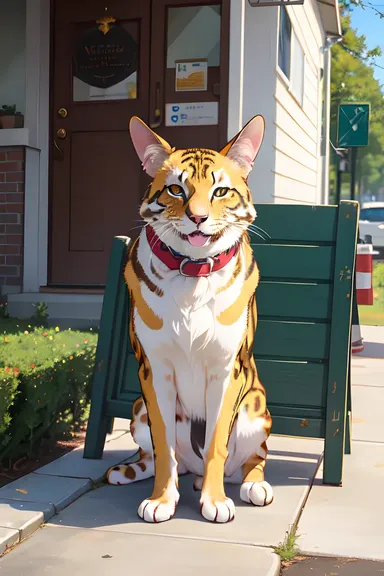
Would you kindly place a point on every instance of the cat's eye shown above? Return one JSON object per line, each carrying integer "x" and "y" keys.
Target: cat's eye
{"x": 175, "y": 190}
{"x": 220, "y": 192}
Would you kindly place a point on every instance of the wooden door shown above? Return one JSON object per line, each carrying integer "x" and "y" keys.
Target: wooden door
{"x": 96, "y": 179}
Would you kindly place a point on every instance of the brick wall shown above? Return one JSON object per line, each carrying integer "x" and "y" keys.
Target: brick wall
{"x": 12, "y": 161}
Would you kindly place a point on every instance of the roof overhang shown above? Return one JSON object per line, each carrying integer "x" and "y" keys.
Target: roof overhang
{"x": 330, "y": 15}
{"x": 329, "y": 12}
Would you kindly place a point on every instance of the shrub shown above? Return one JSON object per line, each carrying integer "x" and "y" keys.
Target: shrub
{"x": 378, "y": 275}
{"x": 45, "y": 386}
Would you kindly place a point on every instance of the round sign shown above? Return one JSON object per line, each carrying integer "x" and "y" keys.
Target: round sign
{"x": 105, "y": 56}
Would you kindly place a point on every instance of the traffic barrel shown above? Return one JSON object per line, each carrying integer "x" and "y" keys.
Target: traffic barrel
{"x": 364, "y": 287}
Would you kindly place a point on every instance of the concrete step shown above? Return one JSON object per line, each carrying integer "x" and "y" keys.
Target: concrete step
{"x": 66, "y": 310}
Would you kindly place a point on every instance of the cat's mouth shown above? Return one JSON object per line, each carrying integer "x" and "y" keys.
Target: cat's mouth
{"x": 197, "y": 238}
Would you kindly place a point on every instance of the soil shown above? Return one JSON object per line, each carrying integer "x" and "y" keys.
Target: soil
{"x": 47, "y": 452}
{"x": 322, "y": 566}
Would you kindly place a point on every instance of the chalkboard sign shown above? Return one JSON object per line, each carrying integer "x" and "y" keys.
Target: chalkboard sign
{"x": 105, "y": 55}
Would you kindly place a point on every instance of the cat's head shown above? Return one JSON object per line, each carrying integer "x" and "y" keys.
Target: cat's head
{"x": 199, "y": 203}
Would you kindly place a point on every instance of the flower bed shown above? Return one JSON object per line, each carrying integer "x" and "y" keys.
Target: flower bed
{"x": 45, "y": 377}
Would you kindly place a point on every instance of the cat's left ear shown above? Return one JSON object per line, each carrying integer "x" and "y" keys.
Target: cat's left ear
{"x": 244, "y": 147}
{"x": 152, "y": 150}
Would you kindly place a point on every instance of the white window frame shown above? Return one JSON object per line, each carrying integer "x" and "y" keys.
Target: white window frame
{"x": 299, "y": 97}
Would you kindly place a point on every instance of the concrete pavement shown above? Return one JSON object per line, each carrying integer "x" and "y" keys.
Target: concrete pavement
{"x": 348, "y": 521}
{"x": 92, "y": 528}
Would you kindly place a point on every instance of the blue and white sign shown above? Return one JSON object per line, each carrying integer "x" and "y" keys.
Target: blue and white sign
{"x": 192, "y": 114}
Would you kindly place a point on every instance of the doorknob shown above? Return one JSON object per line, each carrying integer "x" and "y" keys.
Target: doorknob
{"x": 61, "y": 133}
{"x": 62, "y": 112}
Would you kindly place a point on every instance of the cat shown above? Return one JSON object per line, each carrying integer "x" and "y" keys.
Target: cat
{"x": 192, "y": 278}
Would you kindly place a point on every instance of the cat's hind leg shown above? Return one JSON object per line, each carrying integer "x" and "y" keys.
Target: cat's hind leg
{"x": 247, "y": 458}
{"x": 144, "y": 467}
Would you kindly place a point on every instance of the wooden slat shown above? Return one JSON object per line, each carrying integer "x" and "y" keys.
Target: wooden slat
{"x": 297, "y": 222}
{"x": 296, "y": 341}
{"x": 98, "y": 418}
{"x": 307, "y": 263}
{"x": 300, "y": 301}
{"x": 340, "y": 348}
{"x": 292, "y": 383}
{"x": 132, "y": 382}
{"x": 309, "y": 428}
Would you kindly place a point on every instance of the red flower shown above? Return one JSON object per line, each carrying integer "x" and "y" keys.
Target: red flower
{"x": 33, "y": 365}
{"x": 45, "y": 333}
{"x": 16, "y": 370}
{"x": 6, "y": 369}
{"x": 85, "y": 341}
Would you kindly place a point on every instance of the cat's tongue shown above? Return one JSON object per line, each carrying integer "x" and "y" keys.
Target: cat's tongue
{"x": 197, "y": 238}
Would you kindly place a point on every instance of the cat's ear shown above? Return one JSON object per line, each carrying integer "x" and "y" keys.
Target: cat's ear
{"x": 244, "y": 147}
{"x": 152, "y": 150}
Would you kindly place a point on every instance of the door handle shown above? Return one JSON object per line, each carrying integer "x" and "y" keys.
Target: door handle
{"x": 61, "y": 133}
{"x": 158, "y": 116}
{"x": 62, "y": 112}
{"x": 59, "y": 150}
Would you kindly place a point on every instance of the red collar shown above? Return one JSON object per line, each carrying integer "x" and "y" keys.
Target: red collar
{"x": 185, "y": 265}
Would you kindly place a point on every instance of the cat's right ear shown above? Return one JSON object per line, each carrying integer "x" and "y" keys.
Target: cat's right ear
{"x": 152, "y": 150}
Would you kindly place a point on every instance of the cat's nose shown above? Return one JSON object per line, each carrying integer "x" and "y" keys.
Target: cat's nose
{"x": 198, "y": 219}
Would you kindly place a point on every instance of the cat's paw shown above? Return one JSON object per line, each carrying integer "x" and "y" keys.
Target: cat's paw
{"x": 157, "y": 510}
{"x": 217, "y": 510}
{"x": 256, "y": 493}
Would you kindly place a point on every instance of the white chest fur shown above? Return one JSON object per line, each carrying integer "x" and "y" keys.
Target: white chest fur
{"x": 192, "y": 345}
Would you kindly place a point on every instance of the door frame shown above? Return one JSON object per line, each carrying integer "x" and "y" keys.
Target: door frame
{"x": 38, "y": 121}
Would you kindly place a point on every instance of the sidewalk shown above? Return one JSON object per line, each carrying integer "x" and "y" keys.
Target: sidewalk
{"x": 91, "y": 527}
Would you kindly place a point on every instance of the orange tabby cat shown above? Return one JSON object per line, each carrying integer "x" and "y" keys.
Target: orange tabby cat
{"x": 192, "y": 278}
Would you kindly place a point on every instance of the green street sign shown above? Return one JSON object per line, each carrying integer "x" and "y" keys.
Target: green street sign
{"x": 353, "y": 125}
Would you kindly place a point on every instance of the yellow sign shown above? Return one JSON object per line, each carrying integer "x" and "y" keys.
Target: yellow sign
{"x": 191, "y": 75}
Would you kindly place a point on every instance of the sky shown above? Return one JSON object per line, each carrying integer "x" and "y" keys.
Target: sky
{"x": 368, "y": 23}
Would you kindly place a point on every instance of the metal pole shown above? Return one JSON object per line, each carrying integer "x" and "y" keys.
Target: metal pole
{"x": 338, "y": 181}
{"x": 353, "y": 171}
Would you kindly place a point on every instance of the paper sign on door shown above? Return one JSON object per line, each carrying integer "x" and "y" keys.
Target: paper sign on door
{"x": 192, "y": 114}
{"x": 191, "y": 75}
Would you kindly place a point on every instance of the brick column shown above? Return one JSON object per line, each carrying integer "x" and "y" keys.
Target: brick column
{"x": 12, "y": 168}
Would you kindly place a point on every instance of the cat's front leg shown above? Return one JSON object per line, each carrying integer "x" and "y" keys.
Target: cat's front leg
{"x": 160, "y": 397}
{"x": 221, "y": 397}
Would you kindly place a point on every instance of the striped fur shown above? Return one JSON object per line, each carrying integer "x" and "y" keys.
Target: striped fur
{"x": 203, "y": 408}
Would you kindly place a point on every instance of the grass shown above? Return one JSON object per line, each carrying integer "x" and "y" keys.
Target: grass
{"x": 374, "y": 315}
{"x": 288, "y": 550}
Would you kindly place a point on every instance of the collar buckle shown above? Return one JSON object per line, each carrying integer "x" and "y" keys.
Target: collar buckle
{"x": 208, "y": 261}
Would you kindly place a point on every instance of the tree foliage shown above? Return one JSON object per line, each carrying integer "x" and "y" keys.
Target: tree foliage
{"x": 352, "y": 80}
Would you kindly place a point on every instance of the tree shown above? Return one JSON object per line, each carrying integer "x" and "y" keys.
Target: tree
{"x": 352, "y": 79}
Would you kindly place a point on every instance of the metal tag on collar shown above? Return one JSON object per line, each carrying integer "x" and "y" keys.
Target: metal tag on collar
{"x": 205, "y": 261}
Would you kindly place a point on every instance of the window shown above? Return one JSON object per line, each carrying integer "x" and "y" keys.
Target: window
{"x": 291, "y": 57}
{"x": 372, "y": 214}
{"x": 285, "y": 32}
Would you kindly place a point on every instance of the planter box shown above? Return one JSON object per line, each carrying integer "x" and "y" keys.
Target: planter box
{"x": 14, "y": 121}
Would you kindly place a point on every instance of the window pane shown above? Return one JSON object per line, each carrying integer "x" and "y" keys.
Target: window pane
{"x": 297, "y": 69}
{"x": 194, "y": 33}
{"x": 372, "y": 214}
{"x": 12, "y": 54}
{"x": 284, "y": 42}
{"x": 105, "y": 65}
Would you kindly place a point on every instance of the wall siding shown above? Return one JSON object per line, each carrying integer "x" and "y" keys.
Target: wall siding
{"x": 12, "y": 162}
{"x": 298, "y": 130}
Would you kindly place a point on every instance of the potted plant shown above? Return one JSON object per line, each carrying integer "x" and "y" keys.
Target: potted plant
{"x": 10, "y": 118}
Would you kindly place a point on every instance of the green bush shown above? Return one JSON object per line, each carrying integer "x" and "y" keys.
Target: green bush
{"x": 45, "y": 388}
{"x": 378, "y": 275}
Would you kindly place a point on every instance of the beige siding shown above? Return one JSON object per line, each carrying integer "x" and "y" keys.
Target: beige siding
{"x": 297, "y": 164}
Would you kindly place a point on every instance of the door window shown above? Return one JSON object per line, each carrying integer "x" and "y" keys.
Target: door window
{"x": 194, "y": 33}
{"x": 105, "y": 61}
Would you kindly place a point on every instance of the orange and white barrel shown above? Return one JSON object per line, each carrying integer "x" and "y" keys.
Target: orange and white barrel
{"x": 364, "y": 287}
